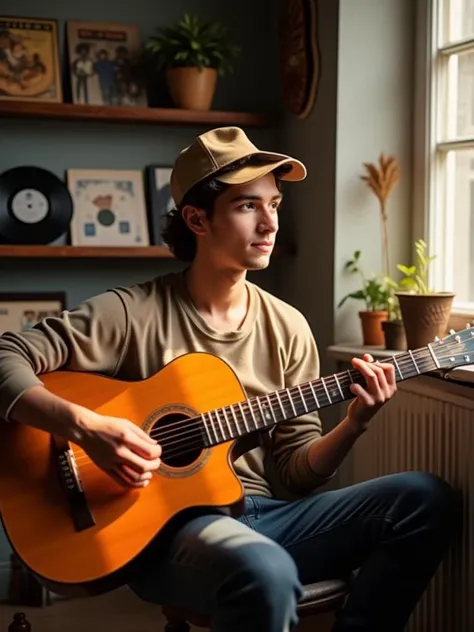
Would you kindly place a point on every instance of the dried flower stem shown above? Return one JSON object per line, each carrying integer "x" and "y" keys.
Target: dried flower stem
{"x": 382, "y": 179}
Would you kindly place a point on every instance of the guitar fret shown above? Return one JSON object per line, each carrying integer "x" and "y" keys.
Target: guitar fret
{"x": 212, "y": 426}
{"x": 291, "y": 402}
{"x": 314, "y": 394}
{"x": 249, "y": 404}
{"x": 349, "y": 372}
{"x": 237, "y": 425}
{"x": 281, "y": 406}
{"x": 227, "y": 422}
{"x": 326, "y": 389}
{"x": 414, "y": 362}
{"x": 435, "y": 359}
{"x": 244, "y": 417}
{"x": 339, "y": 386}
{"x": 303, "y": 399}
{"x": 397, "y": 367}
{"x": 203, "y": 419}
{"x": 271, "y": 408}
{"x": 263, "y": 414}
{"x": 219, "y": 423}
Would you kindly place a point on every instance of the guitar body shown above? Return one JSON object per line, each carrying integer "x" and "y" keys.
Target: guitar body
{"x": 37, "y": 515}
{"x": 78, "y": 531}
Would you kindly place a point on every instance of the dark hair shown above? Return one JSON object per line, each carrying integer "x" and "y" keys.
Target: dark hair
{"x": 203, "y": 195}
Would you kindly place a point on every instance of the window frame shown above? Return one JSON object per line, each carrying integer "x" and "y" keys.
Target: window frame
{"x": 430, "y": 186}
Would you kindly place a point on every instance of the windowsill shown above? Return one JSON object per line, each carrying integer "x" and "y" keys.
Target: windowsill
{"x": 344, "y": 352}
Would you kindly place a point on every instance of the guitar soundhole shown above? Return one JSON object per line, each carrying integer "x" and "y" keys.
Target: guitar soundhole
{"x": 179, "y": 439}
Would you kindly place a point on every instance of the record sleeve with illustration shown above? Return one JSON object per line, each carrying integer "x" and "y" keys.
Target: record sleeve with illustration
{"x": 29, "y": 60}
{"x": 109, "y": 208}
{"x": 104, "y": 63}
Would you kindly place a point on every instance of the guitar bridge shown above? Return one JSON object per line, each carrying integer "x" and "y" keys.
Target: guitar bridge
{"x": 71, "y": 484}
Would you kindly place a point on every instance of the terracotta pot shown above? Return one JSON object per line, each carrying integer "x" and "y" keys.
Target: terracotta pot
{"x": 425, "y": 316}
{"x": 372, "y": 327}
{"x": 192, "y": 88}
{"x": 394, "y": 333}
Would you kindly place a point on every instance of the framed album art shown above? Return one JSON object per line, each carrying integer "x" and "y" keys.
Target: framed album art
{"x": 160, "y": 201}
{"x": 29, "y": 60}
{"x": 20, "y": 311}
{"x": 104, "y": 63}
{"x": 109, "y": 207}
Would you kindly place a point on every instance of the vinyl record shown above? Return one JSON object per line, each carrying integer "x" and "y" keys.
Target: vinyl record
{"x": 35, "y": 206}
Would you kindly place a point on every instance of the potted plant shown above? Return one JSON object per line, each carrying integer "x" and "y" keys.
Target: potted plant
{"x": 381, "y": 179}
{"x": 375, "y": 295}
{"x": 425, "y": 312}
{"x": 393, "y": 328}
{"x": 192, "y": 54}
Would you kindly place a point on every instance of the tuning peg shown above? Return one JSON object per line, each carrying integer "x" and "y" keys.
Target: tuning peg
{"x": 468, "y": 325}
{"x": 451, "y": 331}
{"x": 437, "y": 339}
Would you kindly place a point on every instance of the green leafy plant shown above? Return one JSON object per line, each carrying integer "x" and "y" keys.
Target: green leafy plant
{"x": 393, "y": 305}
{"x": 416, "y": 276}
{"x": 192, "y": 43}
{"x": 374, "y": 292}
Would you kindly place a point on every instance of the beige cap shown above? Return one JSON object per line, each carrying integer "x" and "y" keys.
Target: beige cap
{"x": 218, "y": 148}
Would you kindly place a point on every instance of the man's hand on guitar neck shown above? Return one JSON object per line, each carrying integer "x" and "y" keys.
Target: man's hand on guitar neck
{"x": 327, "y": 453}
{"x": 119, "y": 447}
{"x": 380, "y": 386}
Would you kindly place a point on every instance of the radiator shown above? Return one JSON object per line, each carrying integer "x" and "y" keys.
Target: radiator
{"x": 429, "y": 426}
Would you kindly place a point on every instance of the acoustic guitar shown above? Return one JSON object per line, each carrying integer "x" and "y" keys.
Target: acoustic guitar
{"x": 78, "y": 531}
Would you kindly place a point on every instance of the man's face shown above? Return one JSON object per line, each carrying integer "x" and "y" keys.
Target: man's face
{"x": 241, "y": 234}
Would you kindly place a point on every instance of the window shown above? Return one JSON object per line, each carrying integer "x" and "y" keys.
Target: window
{"x": 449, "y": 225}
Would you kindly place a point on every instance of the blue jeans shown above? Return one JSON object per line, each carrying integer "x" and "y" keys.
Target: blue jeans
{"x": 247, "y": 573}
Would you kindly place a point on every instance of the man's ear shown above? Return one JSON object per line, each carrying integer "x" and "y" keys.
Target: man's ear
{"x": 194, "y": 219}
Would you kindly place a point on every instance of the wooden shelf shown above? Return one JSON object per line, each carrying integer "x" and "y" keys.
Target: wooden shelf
{"x": 125, "y": 114}
{"x": 99, "y": 252}
{"x": 84, "y": 252}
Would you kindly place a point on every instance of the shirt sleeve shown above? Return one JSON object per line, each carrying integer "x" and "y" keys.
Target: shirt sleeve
{"x": 90, "y": 337}
{"x": 291, "y": 440}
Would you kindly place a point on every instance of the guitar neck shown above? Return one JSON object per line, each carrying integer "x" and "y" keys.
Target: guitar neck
{"x": 265, "y": 411}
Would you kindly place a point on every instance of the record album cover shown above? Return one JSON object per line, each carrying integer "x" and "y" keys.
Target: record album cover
{"x": 104, "y": 64}
{"x": 29, "y": 60}
{"x": 109, "y": 208}
{"x": 160, "y": 201}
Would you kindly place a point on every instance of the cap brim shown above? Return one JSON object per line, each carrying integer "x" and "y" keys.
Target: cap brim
{"x": 251, "y": 173}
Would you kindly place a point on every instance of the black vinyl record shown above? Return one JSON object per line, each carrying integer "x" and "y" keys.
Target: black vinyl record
{"x": 35, "y": 206}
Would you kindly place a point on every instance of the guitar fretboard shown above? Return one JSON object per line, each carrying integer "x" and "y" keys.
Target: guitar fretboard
{"x": 264, "y": 411}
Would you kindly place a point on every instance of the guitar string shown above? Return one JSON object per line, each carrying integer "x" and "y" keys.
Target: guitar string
{"x": 178, "y": 444}
{"x": 191, "y": 432}
{"x": 169, "y": 430}
{"x": 198, "y": 422}
{"x": 197, "y": 431}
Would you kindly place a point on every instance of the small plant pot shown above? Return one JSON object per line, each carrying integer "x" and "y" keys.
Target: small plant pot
{"x": 394, "y": 333}
{"x": 372, "y": 331}
{"x": 192, "y": 88}
{"x": 425, "y": 316}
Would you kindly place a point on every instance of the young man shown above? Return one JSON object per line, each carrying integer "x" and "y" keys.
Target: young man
{"x": 247, "y": 573}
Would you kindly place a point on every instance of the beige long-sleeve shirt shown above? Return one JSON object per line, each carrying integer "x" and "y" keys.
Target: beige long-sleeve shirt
{"x": 132, "y": 332}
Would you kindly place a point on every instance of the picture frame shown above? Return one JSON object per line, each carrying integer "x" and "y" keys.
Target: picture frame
{"x": 160, "y": 200}
{"x": 30, "y": 67}
{"x": 109, "y": 208}
{"x": 20, "y": 311}
{"x": 105, "y": 63}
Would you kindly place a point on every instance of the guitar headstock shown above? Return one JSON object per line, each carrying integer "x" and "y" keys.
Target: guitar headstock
{"x": 456, "y": 349}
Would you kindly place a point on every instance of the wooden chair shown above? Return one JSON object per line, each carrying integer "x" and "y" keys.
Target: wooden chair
{"x": 325, "y": 596}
